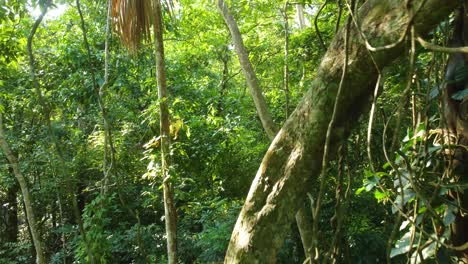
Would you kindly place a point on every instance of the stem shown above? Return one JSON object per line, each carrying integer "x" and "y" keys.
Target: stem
{"x": 169, "y": 207}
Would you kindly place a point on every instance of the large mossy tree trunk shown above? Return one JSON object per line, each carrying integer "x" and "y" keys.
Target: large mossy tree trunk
{"x": 295, "y": 156}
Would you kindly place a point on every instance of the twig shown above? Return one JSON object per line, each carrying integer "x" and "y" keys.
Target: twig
{"x": 319, "y": 35}
{"x": 434, "y": 47}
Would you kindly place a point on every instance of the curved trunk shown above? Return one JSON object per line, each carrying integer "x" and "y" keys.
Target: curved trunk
{"x": 304, "y": 226}
{"x": 295, "y": 156}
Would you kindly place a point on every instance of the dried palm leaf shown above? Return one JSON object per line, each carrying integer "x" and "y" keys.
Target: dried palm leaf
{"x": 132, "y": 21}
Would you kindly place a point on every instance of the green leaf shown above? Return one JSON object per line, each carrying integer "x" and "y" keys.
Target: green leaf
{"x": 460, "y": 95}
{"x": 360, "y": 190}
{"x": 402, "y": 246}
{"x": 381, "y": 174}
{"x": 380, "y": 195}
{"x": 449, "y": 216}
{"x": 434, "y": 93}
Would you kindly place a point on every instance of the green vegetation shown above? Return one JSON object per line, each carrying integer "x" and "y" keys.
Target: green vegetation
{"x": 88, "y": 162}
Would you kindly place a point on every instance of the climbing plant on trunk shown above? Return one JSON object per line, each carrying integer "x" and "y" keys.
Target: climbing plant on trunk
{"x": 295, "y": 155}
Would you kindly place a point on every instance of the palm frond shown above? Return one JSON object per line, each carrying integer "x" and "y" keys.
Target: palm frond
{"x": 132, "y": 21}
{"x": 171, "y": 7}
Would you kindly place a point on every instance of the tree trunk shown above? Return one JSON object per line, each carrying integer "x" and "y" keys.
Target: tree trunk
{"x": 36, "y": 237}
{"x": 286, "y": 55}
{"x": 304, "y": 224}
{"x": 54, "y": 140}
{"x": 249, "y": 73}
{"x": 11, "y": 232}
{"x": 300, "y": 16}
{"x": 459, "y": 229}
{"x": 456, "y": 117}
{"x": 295, "y": 155}
{"x": 269, "y": 126}
{"x": 169, "y": 207}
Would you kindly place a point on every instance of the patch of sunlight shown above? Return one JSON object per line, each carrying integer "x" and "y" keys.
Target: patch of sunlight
{"x": 244, "y": 237}
{"x": 96, "y": 139}
{"x": 52, "y": 13}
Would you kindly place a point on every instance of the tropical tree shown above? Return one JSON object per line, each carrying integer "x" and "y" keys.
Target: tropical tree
{"x": 133, "y": 21}
{"x": 31, "y": 215}
{"x": 302, "y": 149}
{"x": 99, "y": 150}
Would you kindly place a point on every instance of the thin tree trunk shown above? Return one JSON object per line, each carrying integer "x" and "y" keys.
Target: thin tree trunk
{"x": 295, "y": 156}
{"x": 108, "y": 161}
{"x": 46, "y": 111}
{"x": 62, "y": 224}
{"x": 305, "y": 228}
{"x": 224, "y": 81}
{"x": 286, "y": 55}
{"x": 11, "y": 232}
{"x": 169, "y": 207}
{"x": 36, "y": 237}
{"x": 250, "y": 76}
{"x": 300, "y": 16}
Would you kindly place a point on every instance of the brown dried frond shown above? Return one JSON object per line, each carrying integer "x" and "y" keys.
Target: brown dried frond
{"x": 132, "y": 20}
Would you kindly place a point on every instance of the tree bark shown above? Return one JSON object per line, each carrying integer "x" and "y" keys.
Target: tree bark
{"x": 304, "y": 224}
{"x": 249, "y": 73}
{"x": 269, "y": 126}
{"x": 11, "y": 232}
{"x": 169, "y": 207}
{"x": 36, "y": 237}
{"x": 285, "y": 62}
{"x": 456, "y": 118}
{"x": 295, "y": 155}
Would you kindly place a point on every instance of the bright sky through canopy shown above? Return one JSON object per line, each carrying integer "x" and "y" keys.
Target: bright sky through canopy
{"x": 52, "y": 12}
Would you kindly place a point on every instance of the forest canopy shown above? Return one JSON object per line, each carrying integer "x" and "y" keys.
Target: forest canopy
{"x": 210, "y": 131}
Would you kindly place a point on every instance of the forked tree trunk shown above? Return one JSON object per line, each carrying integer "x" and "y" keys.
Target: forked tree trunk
{"x": 295, "y": 156}
{"x": 249, "y": 73}
{"x": 36, "y": 237}
{"x": 169, "y": 207}
{"x": 304, "y": 226}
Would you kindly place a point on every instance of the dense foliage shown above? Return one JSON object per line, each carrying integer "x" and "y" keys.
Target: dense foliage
{"x": 217, "y": 139}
